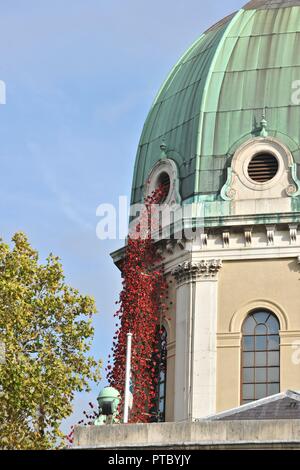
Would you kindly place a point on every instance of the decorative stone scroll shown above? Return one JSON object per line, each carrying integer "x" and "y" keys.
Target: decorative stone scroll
{"x": 194, "y": 271}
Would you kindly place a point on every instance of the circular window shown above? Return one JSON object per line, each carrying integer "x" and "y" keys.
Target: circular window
{"x": 263, "y": 167}
{"x": 163, "y": 183}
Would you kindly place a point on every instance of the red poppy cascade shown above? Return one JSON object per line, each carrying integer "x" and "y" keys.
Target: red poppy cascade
{"x": 143, "y": 306}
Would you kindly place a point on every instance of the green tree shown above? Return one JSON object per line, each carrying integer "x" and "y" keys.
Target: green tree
{"x": 46, "y": 330}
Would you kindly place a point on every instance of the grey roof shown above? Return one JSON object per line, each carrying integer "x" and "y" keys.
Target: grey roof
{"x": 268, "y": 4}
{"x": 284, "y": 405}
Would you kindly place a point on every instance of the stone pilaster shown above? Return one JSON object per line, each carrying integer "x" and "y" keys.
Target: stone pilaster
{"x": 196, "y": 329}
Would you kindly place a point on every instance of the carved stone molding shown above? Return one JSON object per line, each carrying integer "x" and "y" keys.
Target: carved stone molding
{"x": 197, "y": 271}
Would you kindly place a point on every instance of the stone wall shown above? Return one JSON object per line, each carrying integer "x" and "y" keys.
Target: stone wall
{"x": 279, "y": 434}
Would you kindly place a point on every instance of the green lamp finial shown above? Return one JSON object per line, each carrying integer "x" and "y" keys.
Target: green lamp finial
{"x": 264, "y": 125}
{"x": 163, "y": 148}
{"x": 108, "y": 400}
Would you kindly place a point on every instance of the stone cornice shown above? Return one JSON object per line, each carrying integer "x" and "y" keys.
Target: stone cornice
{"x": 197, "y": 271}
{"x": 265, "y": 241}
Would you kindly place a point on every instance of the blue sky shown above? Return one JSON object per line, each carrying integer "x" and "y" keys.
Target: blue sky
{"x": 80, "y": 77}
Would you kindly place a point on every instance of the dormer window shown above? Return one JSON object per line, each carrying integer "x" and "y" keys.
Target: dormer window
{"x": 262, "y": 169}
{"x": 164, "y": 175}
{"x": 163, "y": 183}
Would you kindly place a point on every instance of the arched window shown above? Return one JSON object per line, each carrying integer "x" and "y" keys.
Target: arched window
{"x": 158, "y": 414}
{"x": 260, "y": 356}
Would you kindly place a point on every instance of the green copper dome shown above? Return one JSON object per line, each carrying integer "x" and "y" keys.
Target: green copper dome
{"x": 214, "y": 98}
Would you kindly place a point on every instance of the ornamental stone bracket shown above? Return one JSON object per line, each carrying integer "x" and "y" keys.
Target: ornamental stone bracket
{"x": 197, "y": 271}
{"x": 293, "y": 233}
{"x": 248, "y": 236}
{"x": 170, "y": 247}
{"x": 204, "y": 240}
{"x": 266, "y": 236}
{"x": 226, "y": 238}
{"x": 270, "y": 234}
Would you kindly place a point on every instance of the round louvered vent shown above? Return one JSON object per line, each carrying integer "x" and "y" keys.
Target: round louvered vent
{"x": 263, "y": 167}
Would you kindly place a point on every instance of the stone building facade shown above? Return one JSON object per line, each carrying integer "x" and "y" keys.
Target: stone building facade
{"x": 224, "y": 135}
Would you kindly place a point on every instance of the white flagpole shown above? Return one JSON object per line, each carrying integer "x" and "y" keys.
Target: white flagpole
{"x": 127, "y": 378}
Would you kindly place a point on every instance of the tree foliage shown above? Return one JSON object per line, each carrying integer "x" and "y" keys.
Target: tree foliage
{"x": 46, "y": 329}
